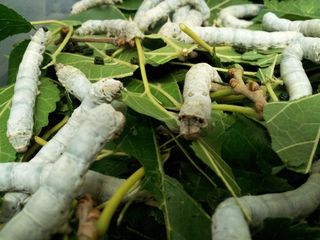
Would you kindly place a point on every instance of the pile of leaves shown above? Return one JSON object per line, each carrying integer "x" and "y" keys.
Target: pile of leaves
{"x": 236, "y": 155}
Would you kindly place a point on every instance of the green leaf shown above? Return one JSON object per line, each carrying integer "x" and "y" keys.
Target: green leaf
{"x": 230, "y": 55}
{"x": 310, "y": 9}
{"x": 15, "y": 58}
{"x": 168, "y": 192}
{"x": 294, "y": 127}
{"x": 98, "y": 13}
{"x": 7, "y": 152}
{"x": 45, "y": 103}
{"x": 130, "y": 5}
{"x": 112, "y": 68}
{"x": 210, "y": 157}
{"x": 173, "y": 49}
{"x": 12, "y": 23}
{"x": 165, "y": 89}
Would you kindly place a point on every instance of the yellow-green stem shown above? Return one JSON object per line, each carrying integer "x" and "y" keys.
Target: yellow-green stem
{"x": 40, "y": 141}
{"x": 107, "y": 213}
{"x": 222, "y": 92}
{"x": 142, "y": 66}
{"x": 234, "y": 108}
{"x": 196, "y": 38}
{"x": 271, "y": 92}
{"x": 60, "y": 48}
{"x": 48, "y": 22}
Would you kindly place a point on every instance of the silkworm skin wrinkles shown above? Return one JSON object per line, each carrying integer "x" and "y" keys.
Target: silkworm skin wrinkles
{"x": 195, "y": 111}
{"x": 145, "y": 6}
{"x": 228, "y": 221}
{"x": 20, "y": 122}
{"x": 103, "y": 91}
{"x": 164, "y": 8}
{"x": 83, "y": 5}
{"x": 63, "y": 183}
{"x": 309, "y": 28}
{"x": 113, "y": 28}
{"x": 184, "y": 15}
{"x": 291, "y": 68}
{"x": 231, "y": 16}
{"x": 242, "y": 38}
{"x": 73, "y": 80}
{"x": 28, "y": 177}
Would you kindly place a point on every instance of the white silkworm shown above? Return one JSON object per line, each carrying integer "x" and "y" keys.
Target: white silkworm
{"x": 230, "y": 16}
{"x": 228, "y": 221}
{"x": 20, "y": 122}
{"x": 65, "y": 179}
{"x": 271, "y": 22}
{"x": 86, "y": 4}
{"x": 184, "y": 15}
{"x": 164, "y": 8}
{"x": 103, "y": 91}
{"x": 115, "y": 28}
{"x": 28, "y": 177}
{"x": 242, "y": 38}
{"x": 73, "y": 80}
{"x": 195, "y": 111}
{"x": 145, "y": 6}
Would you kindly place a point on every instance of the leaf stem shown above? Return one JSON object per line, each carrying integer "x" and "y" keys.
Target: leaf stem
{"x": 107, "y": 213}
{"x": 197, "y": 39}
{"x": 48, "y": 22}
{"x": 60, "y": 48}
{"x": 142, "y": 66}
{"x": 221, "y": 93}
{"x": 40, "y": 141}
{"x": 234, "y": 108}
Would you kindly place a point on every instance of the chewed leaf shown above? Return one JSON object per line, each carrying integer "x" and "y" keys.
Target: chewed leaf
{"x": 12, "y": 23}
{"x": 45, "y": 103}
{"x": 112, "y": 68}
{"x": 7, "y": 152}
{"x": 173, "y": 49}
{"x": 295, "y": 130}
{"x": 210, "y": 157}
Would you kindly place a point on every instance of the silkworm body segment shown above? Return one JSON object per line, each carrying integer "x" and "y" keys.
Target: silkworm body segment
{"x": 20, "y": 122}
{"x": 230, "y": 16}
{"x": 83, "y": 5}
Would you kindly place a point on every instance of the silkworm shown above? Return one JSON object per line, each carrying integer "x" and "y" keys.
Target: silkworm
{"x": 86, "y": 4}
{"x": 28, "y": 177}
{"x": 103, "y": 91}
{"x": 145, "y": 6}
{"x": 291, "y": 68}
{"x": 164, "y": 8}
{"x": 311, "y": 28}
{"x": 184, "y": 15}
{"x": 115, "y": 27}
{"x": 73, "y": 80}
{"x": 242, "y": 38}
{"x": 65, "y": 179}
{"x": 230, "y": 16}
{"x": 228, "y": 221}
{"x": 20, "y": 122}
{"x": 195, "y": 111}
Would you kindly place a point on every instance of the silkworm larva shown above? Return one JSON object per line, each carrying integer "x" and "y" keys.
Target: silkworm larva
{"x": 228, "y": 221}
{"x": 86, "y": 4}
{"x": 242, "y": 38}
{"x": 103, "y": 91}
{"x": 230, "y": 16}
{"x": 145, "y": 6}
{"x": 115, "y": 28}
{"x": 195, "y": 111}
{"x": 20, "y": 122}
{"x": 73, "y": 80}
{"x": 65, "y": 179}
{"x": 184, "y": 15}
{"x": 164, "y": 8}
{"x": 291, "y": 68}
{"x": 28, "y": 177}
{"x": 271, "y": 22}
